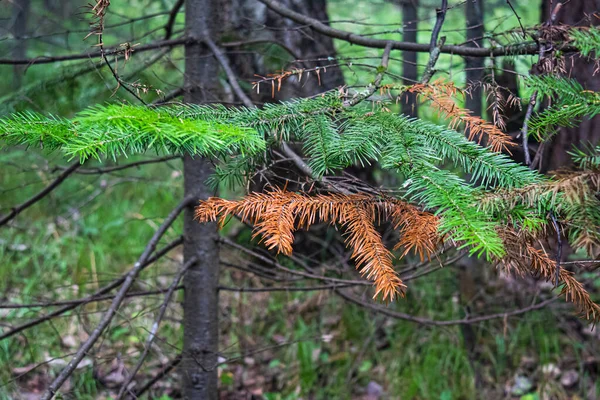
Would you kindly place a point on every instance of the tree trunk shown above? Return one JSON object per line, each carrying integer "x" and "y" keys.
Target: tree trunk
{"x": 305, "y": 44}
{"x": 471, "y": 267}
{"x": 410, "y": 24}
{"x": 201, "y": 303}
{"x": 555, "y": 154}
{"x": 474, "y": 65}
{"x": 18, "y": 29}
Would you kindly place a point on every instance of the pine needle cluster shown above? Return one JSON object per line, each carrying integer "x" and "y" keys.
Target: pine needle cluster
{"x": 570, "y": 102}
{"x": 276, "y": 214}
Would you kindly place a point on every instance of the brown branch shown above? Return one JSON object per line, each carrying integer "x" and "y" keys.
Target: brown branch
{"x": 70, "y": 305}
{"x": 155, "y": 325}
{"x": 21, "y": 207}
{"x": 322, "y": 28}
{"x": 277, "y": 265}
{"x": 240, "y": 43}
{"x": 168, "y": 97}
{"x": 111, "y": 312}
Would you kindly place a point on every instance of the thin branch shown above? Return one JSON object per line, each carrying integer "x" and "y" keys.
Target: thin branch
{"x": 277, "y": 265}
{"x": 97, "y": 295}
{"x": 518, "y": 18}
{"x": 559, "y": 251}
{"x": 240, "y": 43}
{"x": 385, "y": 59}
{"x": 85, "y": 300}
{"x": 286, "y": 288}
{"x": 21, "y": 207}
{"x": 524, "y": 133}
{"x": 434, "y": 46}
{"x": 427, "y": 321}
{"x": 172, "y": 17}
{"x": 155, "y": 326}
{"x": 229, "y": 72}
{"x": 117, "y": 50}
{"x": 168, "y": 97}
{"x": 108, "y": 316}
{"x": 322, "y": 28}
{"x": 161, "y": 374}
{"x": 108, "y": 170}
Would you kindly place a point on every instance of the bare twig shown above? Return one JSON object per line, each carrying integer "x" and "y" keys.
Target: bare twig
{"x": 524, "y": 133}
{"x": 77, "y": 302}
{"x": 155, "y": 325}
{"x": 161, "y": 374}
{"x": 97, "y": 295}
{"x": 172, "y": 17}
{"x": 229, "y": 72}
{"x": 108, "y": 170}
{"x": 518, "y": 18}
{"x": 376, "y": 84}
{"x": 21, "y": 207}
{"x": 435, "y": 46}
{"x": 286, "y": 288}
{"x": 117, "y": 50}
{"x": 427, "y": 321}
{"x": 116, "y": 303}
{"x": 559, "y": 250}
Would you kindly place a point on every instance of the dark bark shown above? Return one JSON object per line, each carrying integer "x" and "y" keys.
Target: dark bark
{"x": 409, "y": 58}
{"x": 474, "y": 66}
{"x": 201, "y": 303}
{"x": 18, "y": 30}
{"x": 588, "y": 131}
{"x": 250, "y": 19}
{"x": 471, "y": 267}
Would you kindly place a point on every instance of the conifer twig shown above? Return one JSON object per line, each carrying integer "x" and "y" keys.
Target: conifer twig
{"x": 229, "y": 72}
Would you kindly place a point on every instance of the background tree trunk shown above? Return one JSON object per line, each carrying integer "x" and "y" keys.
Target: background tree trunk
{"x": 410, "y": 24}
{"x": 201, "y": 304}
{"x": 18, "y": 29}
{"x": 251, "y": 20}
{"x": 474, "y": 65}
{"x": 576, "y": 12}
{"x": 470, "y": 268}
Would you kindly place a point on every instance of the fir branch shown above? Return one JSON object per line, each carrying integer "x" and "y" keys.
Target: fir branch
{"x": 277, "y": 214}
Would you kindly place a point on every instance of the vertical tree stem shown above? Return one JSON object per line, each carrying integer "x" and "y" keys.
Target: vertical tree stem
{"x": 201, "y": 303}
